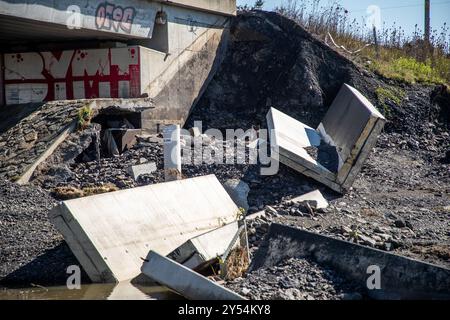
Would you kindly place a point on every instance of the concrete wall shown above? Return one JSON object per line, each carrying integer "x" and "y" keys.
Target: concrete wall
{"x": 173, "y": 69}
{"x": 72, "y": 74}
{"x": 227, "y": 7}
{"x": 176, "y": 79}
{"x": 131, "y": 18}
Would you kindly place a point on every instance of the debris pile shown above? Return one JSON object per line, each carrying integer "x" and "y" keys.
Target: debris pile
{"x": 21, "y": 145}
{"x": 122, "y": 219}
{"x": 296, "y": 279}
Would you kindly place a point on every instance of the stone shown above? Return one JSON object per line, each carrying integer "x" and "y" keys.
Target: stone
{"x": 346, "y": 230}
{"x": 60, "y": 173}
{"x": 245, "y": 291}
{"x": 367, "y": 240}
{"x": 272, "y": 210}
{"x": 205, "y": 247}
{"x": 400, "y": 223}
{"x": 409, "y": 224}
{"x": 141, "y": 169}
{"x": 32, "y": 136}
{"x": 390, "y": 215}
{"x": 315, "y": 199}
{"x": 238, "y": 191}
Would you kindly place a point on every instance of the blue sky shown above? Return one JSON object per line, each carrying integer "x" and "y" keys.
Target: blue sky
{"x": 405, "y": 13}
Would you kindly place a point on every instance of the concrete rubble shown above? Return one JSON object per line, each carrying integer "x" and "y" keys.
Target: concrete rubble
{"x": 220, "y": 231}
{"x": 335, "y": 152}
{"x": 158, "y": 217}
{"x": 30, "y": 142}
{"x": 314, "y": 199}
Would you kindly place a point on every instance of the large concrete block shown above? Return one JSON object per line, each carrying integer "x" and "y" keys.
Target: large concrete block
{"x": 401, "y": 277}
{"x": 335, "y": 152}
{"x": 110, "y": 233}
{"x": 205, "y": 247}
{"x": 186, "y": 282}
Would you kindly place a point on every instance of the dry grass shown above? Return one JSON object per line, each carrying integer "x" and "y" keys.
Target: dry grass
{"x": 67, "y": 193}
{"x": 236, "y": 264}
{"x": 400, "y": 56}
{"x": 109, "y": 187}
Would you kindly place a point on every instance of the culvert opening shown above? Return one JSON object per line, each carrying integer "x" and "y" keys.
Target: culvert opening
{"x": 119, "y": 129}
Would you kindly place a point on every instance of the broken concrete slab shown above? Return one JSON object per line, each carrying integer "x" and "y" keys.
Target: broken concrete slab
{"x": 141, "y": 169}
{"x": 314, "y": 198}
{"x": 335, "y": 152}
{"x": 205, "y": 247}
{"x": 352, "y": 124}
{"x": 110, "y": 233}
{"x": 186, "y": 282}
{"x": 238, "y": 191}
{"x": 401, "y": 277}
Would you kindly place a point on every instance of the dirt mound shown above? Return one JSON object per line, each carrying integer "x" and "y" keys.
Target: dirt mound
{"x": 272, "y": 61}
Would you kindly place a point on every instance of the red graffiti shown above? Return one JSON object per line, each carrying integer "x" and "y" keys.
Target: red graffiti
{"x": 111, "y": 17}
{"x": 77, "y": 74}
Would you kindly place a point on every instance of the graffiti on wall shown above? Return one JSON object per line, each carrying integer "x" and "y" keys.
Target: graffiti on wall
{"x": 113, "y": 17}
{"x": 72, "y": 74}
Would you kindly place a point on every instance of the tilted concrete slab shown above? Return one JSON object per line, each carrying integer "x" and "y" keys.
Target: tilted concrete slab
{"x": 351, "y": 125}
{"x": 186, "y": 282}
{"x": 401, "y": 277}
{"x": 110, "y": 233}
{"x": 205, "y": 247}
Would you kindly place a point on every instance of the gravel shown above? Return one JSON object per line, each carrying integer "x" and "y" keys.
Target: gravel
{"x": 400, "y": 201}
{"x": 31, "y": 250}
{"x": 296, "y": 279}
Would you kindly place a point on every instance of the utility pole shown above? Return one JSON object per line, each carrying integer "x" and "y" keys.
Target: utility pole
{"x": 427, "y": 22}
{"x": 375, "y": 39}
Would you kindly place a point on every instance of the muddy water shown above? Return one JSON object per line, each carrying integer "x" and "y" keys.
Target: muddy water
{"x": 121, "y": 291}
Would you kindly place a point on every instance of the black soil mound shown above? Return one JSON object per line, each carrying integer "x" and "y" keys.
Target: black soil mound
{"x": 272, "y": 61}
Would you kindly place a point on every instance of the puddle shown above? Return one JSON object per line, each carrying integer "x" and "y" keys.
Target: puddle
{"x": 121, "y": 291}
